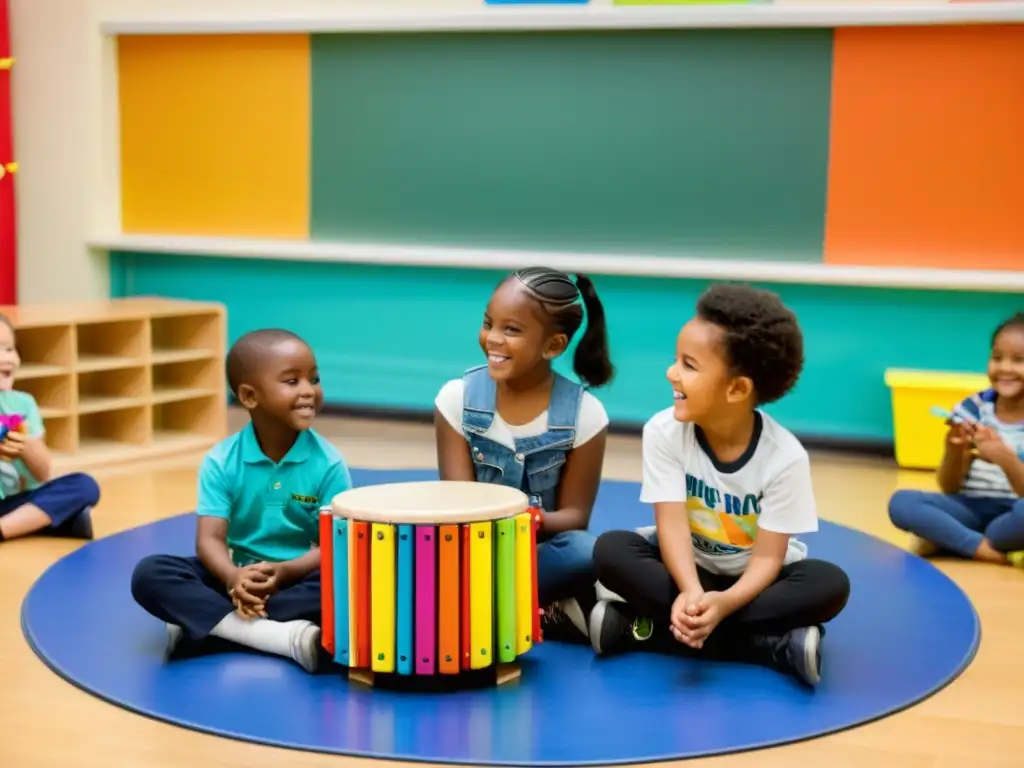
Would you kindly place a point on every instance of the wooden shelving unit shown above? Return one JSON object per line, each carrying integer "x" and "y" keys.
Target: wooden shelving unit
{"x": 124, "y": 380}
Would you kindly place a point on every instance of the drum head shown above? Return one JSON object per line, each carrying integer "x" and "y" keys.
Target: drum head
{"x": 437, "y": 502}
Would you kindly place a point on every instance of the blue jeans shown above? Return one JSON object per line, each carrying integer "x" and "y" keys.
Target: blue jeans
{"x": 959, "y": 523}
{"x": 565, "y": 564}
{"x": 62, "y": 499}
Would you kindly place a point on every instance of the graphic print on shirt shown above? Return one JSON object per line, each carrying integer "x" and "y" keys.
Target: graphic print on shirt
{"x": 720, "y": 523}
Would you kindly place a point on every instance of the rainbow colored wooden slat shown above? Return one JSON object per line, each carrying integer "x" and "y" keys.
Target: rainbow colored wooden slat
{"x": 481, "y": 608}
{"x": 426, "y": 599}
{"x": 342, "y": 631}
{"x": 537, "y": 634}
{"x": 448, "y": 600}
{"x": 326, "y": 530}
{"x": 505, "y": 588}
{"x": 360, "y": 579}
{"x": 382, "y": 597}
{"x": 465, "y": 648}
{"x": 525, "y": 585}
{"x": 405, "y": 604}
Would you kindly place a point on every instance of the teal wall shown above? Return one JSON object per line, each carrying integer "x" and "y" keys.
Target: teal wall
{"x": 388, "y": 337}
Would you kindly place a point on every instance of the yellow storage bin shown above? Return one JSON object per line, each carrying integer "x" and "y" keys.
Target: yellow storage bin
{"x": 920, "y": 435}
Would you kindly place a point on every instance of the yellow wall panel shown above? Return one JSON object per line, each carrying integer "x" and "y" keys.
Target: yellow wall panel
{"x": 215, "y": 134}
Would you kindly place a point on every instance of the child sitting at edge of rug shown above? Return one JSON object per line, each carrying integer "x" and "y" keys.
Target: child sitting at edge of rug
{"x": 979, "y": 513}
{"x": 721, "y": 574}
{"x": 515, "y": 421}
{"x": 255, "y": 579}
{"x": 31, "y": 500}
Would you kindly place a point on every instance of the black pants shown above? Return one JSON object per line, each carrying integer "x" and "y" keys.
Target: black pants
{"x": 181, "y": 591}
{"x": 806, "y": 593}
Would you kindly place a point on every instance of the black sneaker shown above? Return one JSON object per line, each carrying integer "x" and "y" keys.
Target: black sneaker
{"x": 797, "y": 652}
{"x": 78, "y": 527}
{"x": 614, "y": 628}
{"x": 565, "y": 621}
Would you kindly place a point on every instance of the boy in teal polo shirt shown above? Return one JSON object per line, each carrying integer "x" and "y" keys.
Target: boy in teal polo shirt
{"x": 255, "y": 579}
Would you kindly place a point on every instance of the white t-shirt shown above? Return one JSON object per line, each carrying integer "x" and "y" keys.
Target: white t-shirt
{"x": 769, "y": 488}
{"x": 591, "y": 420}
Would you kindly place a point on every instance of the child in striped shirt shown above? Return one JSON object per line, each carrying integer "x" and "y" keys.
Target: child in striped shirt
{"x": 980, "y": 513}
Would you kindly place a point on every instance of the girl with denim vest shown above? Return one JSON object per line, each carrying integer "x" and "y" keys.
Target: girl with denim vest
{"x": 514, "y": 421}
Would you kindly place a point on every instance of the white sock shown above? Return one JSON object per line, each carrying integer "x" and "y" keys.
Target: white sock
{"x": 297, "y": 640}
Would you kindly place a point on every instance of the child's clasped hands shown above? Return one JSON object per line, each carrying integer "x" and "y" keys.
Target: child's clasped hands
{"x": 252, "y": 587}
{"x": 695, "y": 615}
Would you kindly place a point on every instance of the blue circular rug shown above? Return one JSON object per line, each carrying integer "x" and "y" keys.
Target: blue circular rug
{"x": 907, "y": 632}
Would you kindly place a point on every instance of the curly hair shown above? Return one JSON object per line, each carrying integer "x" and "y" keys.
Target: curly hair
{"x": 762, "y": 338}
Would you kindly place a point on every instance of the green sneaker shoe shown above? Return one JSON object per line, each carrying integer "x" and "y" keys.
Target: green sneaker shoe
{"x": 614, "y": 628}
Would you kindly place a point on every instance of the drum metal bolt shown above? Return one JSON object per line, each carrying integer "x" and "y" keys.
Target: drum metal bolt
{"x": 380, "y": 535}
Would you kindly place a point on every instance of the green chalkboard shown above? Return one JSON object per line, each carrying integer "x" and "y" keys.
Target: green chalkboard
{"x": 696, "y": 142}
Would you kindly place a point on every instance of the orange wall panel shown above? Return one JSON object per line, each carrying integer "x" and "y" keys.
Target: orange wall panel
{"x": 215, "y": 134}
{"x": 927, "y": 148}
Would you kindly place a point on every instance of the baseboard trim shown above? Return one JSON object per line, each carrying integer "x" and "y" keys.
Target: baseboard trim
{"x": 854, "y": 446}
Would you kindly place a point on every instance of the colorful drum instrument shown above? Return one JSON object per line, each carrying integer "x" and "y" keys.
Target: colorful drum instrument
{"x": 429, "y": 578}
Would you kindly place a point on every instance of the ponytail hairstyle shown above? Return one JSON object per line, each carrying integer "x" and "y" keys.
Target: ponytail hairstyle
{"x": 560, "y": 297}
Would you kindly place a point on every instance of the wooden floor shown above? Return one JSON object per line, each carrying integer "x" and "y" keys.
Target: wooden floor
{"x": 978, "y": 721}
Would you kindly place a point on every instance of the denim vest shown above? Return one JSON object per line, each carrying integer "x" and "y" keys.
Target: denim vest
{"x": 535, "y": 466}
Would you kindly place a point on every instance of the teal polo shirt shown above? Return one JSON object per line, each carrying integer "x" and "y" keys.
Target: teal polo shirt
{"x": 14, "y": 475}
{"x": 273, "y": 510}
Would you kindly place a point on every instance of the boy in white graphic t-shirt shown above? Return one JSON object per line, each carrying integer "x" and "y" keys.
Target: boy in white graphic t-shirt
{"x": 722, "y": 574}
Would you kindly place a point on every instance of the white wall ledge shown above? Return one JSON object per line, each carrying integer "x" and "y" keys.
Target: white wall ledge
{"x": 813, "y": 273}
{"x": 317, "y": 18}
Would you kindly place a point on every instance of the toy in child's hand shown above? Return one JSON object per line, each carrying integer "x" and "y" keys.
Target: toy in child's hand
{"x": 956, "y": 416}
{"x": 11, "y": 423}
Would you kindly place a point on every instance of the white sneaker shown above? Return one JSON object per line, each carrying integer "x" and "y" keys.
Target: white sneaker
{"x": 174, "y": 636}
{"x": 306, "y": 645}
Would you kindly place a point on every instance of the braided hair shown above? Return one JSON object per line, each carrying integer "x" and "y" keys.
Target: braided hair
{"x": 561, "y": 298}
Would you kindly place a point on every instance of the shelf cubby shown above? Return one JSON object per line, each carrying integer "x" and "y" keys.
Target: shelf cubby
{"x": 54, "y": 393}
{"x": 113, "y": 436}
{"x": 124, "y": 380}
{"x": 112, "y": 344}
{"x": 195, "y": 416}
{"x": 186, "y": 380}
{"x": 61, "y": 435}
{"x": 45, "y": 350}
{"x": 181, "y": 338}
{"x": 113, "y": 389}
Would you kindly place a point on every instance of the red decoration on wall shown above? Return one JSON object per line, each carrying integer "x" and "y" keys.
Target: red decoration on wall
{"x": 8, "y": 166}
